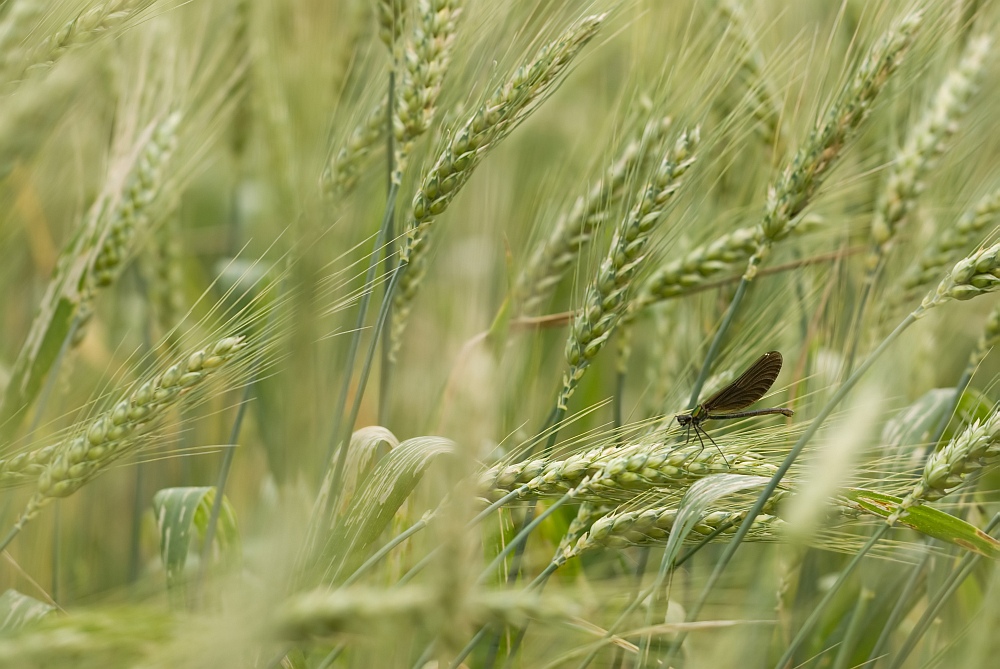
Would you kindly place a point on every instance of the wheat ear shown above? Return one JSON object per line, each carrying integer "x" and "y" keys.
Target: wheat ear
{"x": 425, "y": 61}
{"x": 801, "y": 179}
{"x": 114, "y": 434}
{"x": 608, "y": 293}
{"x": 923, "y": 147}
{"x": 577, "y": 227}
{"x": 507, "y": 107}
{"x": 948, "y": 246}
{"x": 620, "y": 472}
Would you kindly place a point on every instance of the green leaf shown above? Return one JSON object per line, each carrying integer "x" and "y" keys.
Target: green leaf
{"x": 926, "y": 520}
{"x": 381, "y": 494}
{"x": 17, "y": 610}
{"x": 53, "y": 323}
{"x": 181, "y": 510}
{"x": 368, "y": 446}
{"x": 697, "y": 501}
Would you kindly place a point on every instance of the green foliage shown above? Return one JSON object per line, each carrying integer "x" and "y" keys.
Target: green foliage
{"x": 181, "y": 511}
{"x": 567, "y": 218}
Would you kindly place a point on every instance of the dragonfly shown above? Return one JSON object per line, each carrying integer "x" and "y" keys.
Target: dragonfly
{"x": 728, "y": 403}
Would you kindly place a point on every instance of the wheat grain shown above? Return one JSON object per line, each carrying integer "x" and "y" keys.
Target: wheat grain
{"x": 976, "y": 274}
{"x": 391, "y": 16}
{"x": 426, "y": 59}
{"x": 26, "y": 467}
{"x": 935, "y": 259}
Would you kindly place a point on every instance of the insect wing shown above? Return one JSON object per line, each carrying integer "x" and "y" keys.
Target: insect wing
{"x": 750, "y": 387}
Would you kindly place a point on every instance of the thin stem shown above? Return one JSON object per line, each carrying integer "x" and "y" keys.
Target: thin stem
{"x": 640, "y": 571}
{"x": 417, "y": 568}
{"x": 363, "y": 302}
{"x": 220, "y": 483}
{"x": 366, "y": 368}
{"x": 853, "y": 629}
{"x": 898, "y": 609}
{"x": 617, "y": 402}
{"x": 521, "y": 537}
{"x": 516, "y": 543}
{"x": 227, "y": 457}
{"x": 469, "y": 647}
{"x": 855, "y": 332}
{"x": 382, "y": 552}
{"x": 551, "y": 423}
{"x": 640, "y": 596}
{"x": 772, "y": 485}
{"x": 957, "y": 577}
{"x": 331, "y": 657}
{"x": 138, "y": 507}
{"x": 10, "y": 536}
{"x": 385, "y": 369}
{"x": 537, "y": 584}
{"x": 713, "y": 350}
{"x": 56, "y": 549}
{"x": 946, "y": 415}
{"x": 661, "y": 576}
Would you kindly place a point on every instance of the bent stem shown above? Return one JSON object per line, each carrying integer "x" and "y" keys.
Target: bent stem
{"x": 772, "y": 485}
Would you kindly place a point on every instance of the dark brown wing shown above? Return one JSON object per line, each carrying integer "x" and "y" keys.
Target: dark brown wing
{"x": 750, "y": 387}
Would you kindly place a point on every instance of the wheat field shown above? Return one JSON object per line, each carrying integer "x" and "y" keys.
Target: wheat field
{"x": 453, "y": 333}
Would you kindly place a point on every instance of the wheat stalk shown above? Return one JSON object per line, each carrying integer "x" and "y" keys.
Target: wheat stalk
{"x": 942, "y": 252}
{"x": 925, "y": 144}
{"x": 115, "y": 433}
{"x": 801, "y": 179}
{"x": 507, "y": 107}
{"x": 608, "y": 294}
{"x": 617, "y": 472}
{"x": 576, "y": 228}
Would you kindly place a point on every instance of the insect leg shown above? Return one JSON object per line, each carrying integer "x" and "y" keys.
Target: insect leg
{"x": 716, "y": 447}
{"x": 697, "y": 432}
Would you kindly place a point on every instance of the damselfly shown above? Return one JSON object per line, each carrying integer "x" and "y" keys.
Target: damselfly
{"x": 741, "y": 393}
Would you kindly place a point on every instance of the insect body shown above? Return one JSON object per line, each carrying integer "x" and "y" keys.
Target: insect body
{"x": 741, "y": 393}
